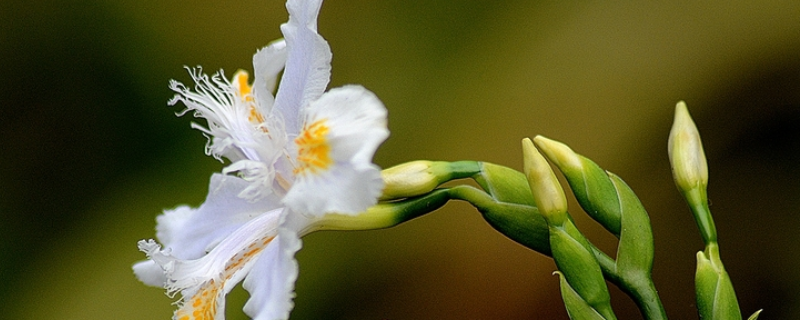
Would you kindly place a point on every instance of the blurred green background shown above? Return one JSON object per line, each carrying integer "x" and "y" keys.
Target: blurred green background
{"x": 91, "y": 153}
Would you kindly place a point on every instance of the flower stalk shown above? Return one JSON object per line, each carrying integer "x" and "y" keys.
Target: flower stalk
{"x": 716, "y": 298}
{"x": 571, "y": 250}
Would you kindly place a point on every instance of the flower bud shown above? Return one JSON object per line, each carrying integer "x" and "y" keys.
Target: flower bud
{"x": 547, "y": 192}
{"x": 690, "y": 170}
{"x": 419, "y": 177}
{"x": 408, "y": 179}
{"x": 590, "y": 183}
{"x": 686, "y": 155}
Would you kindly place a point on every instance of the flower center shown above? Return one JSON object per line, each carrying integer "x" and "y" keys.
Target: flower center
{"x": 313, "y": 150}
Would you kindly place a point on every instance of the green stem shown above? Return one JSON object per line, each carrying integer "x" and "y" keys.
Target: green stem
{"x": 386, "y": 215}
{"x": 639, "y": 287}
{"x": 698, "y": 202}
{"x": 519, "y": 220}
{"x": 464, "y": 169}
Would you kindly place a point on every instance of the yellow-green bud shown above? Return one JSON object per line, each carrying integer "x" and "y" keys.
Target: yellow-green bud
{"x": 690, "y": 169}
{"x": 590, "y": 183}
{"x": 686, "y": 155}
{"x": 409, "y": 179}
{"x": 561, "y": 154}
{"x": 419, "y": 177}
{"x": 547, "y": 192}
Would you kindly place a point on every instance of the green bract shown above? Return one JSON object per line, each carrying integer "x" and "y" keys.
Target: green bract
{"x": 635, "y": 251}
{"x": 577, "y": 308}
{"x": 716, "y": 298}
{"x": 508, "y": 207}
{"x": 574, "y": 258}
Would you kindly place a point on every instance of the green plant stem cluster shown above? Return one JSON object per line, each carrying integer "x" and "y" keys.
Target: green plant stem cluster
{"x": 530, "y": 208}
{"x": 506, "y": 203}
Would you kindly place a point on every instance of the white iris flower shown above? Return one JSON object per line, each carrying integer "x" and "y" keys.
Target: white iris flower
{"x": 299, "y": 155}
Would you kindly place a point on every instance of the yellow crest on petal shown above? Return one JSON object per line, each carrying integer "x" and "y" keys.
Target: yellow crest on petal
{"x": 203, "y": 304}
{"x": 313, "y": 148}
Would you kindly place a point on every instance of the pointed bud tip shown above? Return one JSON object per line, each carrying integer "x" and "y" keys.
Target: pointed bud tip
{"x": 559, "y": 153}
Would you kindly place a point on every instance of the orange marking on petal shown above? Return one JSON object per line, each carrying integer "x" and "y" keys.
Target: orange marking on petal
{"x": 204, "y": 302}
{"x": 313, "y": 149}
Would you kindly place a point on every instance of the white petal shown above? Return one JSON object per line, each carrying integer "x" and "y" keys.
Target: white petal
{"x": 150, "y": 273}
{"x": 342, "y": 131}
{"x": 343, "y": 189}
{"x": 204, "y": 282}
{"x": 308, "y": 66}
{"x": 267, "y": 63}
{"x": 191, "y": 233}
{"x": 271, "y": 280}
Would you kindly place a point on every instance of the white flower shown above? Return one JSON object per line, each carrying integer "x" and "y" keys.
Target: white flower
{"x": 299, "y": 155}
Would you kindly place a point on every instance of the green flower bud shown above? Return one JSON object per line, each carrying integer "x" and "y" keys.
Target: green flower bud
{"x": 608, "y": 200}
{"x": 716, "y": 299}
{"x": 686, "y": 155}
{"x": 419, "y": 177}
{"x": 547, "y": 192}
{"x": 590, "y": 184}
{"x": 507, "y": 204}
{"x": 577, "y": 308}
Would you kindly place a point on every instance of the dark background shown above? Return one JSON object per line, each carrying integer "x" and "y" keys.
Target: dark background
{"x": 91, "y": 153}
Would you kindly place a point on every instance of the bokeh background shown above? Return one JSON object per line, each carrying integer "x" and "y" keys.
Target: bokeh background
{"x": 90, "y": 152}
